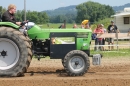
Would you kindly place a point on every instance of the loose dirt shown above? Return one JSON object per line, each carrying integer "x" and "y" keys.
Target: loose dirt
{"x": 111, "y": 72}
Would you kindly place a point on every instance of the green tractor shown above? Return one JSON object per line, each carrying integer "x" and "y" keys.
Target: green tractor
{"x": 18, "y": 46}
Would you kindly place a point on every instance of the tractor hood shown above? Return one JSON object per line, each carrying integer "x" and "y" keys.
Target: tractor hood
{"x": 36, "y": 32}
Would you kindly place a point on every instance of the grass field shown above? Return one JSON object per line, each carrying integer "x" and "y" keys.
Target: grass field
{"x": 105, "y": 22}
{"x": 55, "y": 25}
{"x": 122, "y": 51}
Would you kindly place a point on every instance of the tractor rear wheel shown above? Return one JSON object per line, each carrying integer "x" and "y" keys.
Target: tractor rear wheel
{"x": 15, "y": 52}
{"x": 76, "y": 63}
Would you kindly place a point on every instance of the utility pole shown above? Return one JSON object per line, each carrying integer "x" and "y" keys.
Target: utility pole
{"x": 24, "y": 10}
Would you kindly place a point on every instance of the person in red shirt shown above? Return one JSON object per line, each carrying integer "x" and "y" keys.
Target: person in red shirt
{"x": 98, "y": 41}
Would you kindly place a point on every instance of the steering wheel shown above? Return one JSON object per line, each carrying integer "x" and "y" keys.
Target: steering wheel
{"x": 24, "y": 22}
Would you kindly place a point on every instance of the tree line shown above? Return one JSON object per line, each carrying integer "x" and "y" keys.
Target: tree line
{"x": 33, "y": 16}
{"x": 92, "y": 11}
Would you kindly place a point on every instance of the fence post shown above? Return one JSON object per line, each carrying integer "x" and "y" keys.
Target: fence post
{"x": 117, "y": 40}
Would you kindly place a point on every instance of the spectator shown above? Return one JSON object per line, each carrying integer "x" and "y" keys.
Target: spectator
{"x": 75, "y": 26}
{"x": 87, "y": 26}
{"x": 84, "y": 23}
{"x": 103, "y": 39}
{"x": 62, "y": 26}
{"x": 82, "y": 26}
{"x": 98, "y": 41}
{"x": 112, "y": 29}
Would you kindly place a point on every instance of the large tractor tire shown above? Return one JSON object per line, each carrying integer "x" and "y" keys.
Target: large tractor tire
{"x": 15, "y": 52}
{"x": 76, "y": 63}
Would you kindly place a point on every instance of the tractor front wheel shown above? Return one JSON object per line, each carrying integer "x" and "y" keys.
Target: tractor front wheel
{"x": 76, "y": 63}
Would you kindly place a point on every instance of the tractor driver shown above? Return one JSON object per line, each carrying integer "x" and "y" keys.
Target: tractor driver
{"x": 9, "y": 16}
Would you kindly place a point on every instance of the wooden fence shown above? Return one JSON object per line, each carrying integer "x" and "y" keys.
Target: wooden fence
{"x": 116, "y": 36}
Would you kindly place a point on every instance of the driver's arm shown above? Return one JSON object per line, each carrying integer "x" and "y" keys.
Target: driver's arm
{"x": 18, "y": 23}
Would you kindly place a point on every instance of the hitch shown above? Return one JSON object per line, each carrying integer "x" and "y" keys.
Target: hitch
{"x": 96, "y": 59}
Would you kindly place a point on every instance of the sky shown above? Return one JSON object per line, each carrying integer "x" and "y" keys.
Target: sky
{"x": 41, "y": 5}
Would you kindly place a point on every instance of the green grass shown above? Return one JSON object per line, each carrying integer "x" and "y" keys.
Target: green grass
{"x": 105, "y": 22}
{"x": 124, "y": 51}
{"x": 121, "y": 53}
{"x": 55, "y": 25}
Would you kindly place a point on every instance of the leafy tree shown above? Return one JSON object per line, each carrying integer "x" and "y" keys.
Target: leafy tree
{"x": 70, "y": 18}
{"x": 93, "y": 11}
{"x": 33, "y": 16}
{"x": 19, "y": 15}
{"x": 1, "y": 9}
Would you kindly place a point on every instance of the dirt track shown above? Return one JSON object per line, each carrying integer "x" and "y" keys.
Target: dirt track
{"x": 112, "y": 72}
